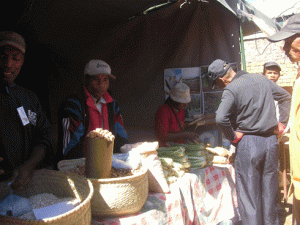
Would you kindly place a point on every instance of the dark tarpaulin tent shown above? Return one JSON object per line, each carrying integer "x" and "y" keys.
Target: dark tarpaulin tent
{"x": 62, "y": 36}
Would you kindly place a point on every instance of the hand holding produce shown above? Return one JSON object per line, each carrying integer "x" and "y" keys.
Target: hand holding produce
{"x": 191, "y": 136}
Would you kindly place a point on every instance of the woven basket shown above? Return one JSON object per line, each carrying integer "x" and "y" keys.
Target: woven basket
{"x": 115, "y": 196}
{"x": 62, "y": 185}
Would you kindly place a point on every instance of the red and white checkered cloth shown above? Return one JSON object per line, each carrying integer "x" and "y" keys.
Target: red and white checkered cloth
{"x": 204, "y": 196}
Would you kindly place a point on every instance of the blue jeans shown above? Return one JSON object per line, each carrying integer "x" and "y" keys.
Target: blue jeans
{"x": 256, "y": 166}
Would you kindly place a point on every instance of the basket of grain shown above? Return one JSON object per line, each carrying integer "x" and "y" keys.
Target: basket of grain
{"x": 116, "y": 196}
{"x": 61, "y": 185}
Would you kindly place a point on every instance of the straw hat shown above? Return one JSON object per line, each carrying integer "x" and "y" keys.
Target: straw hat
{"x": 180, "y": 93}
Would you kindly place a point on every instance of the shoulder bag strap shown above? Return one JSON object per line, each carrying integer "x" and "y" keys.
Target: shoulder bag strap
{"x": 180, "y": 126}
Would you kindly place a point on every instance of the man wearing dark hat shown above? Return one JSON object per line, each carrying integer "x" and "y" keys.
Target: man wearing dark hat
{"x": 272, "y": 71}
{"x": 25, "y": 139}
{"x": 246, "y": 116}
{"x": 290, "y": 34}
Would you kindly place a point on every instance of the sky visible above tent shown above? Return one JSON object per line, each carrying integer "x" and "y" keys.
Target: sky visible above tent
{"x": 276, "y": 8}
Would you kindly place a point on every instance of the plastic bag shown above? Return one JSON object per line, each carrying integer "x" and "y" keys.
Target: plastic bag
{"x": 120, "y": 164}
{"x": 14, "y": 205}
{"x": 131, "y": 158}
{"x": 156, "y": 177}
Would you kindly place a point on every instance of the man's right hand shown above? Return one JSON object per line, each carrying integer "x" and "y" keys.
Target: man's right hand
{"x": 192, "y": 136}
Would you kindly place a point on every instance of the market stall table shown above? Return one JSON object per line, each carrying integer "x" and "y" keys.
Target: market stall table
{"x": 202, "y": 196}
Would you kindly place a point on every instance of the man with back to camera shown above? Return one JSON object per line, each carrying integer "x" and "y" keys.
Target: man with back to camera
{"x": 246, "y": 116}
{"x": 290, "y": 34}
{"x": 25, "y": 139}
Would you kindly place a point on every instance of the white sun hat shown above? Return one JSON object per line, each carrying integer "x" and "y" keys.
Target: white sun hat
{"x": 180, "y": 93}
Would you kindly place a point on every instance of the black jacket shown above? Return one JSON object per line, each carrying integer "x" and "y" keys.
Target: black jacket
{"x": 17, "y": 141}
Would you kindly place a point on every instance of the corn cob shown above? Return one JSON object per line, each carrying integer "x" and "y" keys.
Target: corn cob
{"x": 166, "y": 162}
{"x": 171, "y": 152}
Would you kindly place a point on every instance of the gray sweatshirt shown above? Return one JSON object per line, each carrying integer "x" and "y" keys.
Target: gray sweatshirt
{"x": 247, "y": 106}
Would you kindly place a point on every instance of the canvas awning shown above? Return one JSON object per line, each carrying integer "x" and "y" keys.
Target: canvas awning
{"x": 252, "y": 19}
{"x": 62, "y": 36}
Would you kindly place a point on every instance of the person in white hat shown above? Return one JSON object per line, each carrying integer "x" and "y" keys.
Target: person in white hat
{"x": 25, "y": 139}
{"x": 169, "y": 118}
{"x": 90, "y": 108}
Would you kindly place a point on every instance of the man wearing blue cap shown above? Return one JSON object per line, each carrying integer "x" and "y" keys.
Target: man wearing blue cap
{"x": 290, "y": 34}
{"x": 246, "y": 116}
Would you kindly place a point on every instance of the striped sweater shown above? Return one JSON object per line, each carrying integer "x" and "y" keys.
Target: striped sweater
{"x": 78, "y": 115}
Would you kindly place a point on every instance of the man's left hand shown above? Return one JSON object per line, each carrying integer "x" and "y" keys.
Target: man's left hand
{"x": 280, "y": 130}
{"x": 238, "y": 137}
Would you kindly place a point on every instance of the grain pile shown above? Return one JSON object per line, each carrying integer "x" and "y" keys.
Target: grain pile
{"x": 46, "y": 199}
{"x": 101, "y": 134}
{"x": 80, "y": 170}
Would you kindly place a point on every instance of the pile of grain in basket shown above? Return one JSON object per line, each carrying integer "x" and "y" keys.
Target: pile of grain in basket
{"x": 80, "y": 170}
{"x": 46, "y": 199}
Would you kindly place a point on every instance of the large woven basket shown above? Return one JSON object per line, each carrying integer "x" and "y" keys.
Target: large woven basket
{"x": 61, "y": 185}
{"x": 115, "y": 196}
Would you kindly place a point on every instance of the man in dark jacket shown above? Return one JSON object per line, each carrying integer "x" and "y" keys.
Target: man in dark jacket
{"x": 247, "y": 117}
{"x": 87, "y": 109}
{"x": 25, "y": 140}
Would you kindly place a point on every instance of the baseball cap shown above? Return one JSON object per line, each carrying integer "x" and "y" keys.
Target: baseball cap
{"x": 96, "y": 67}
{"x": 13, "y": 39}
{"x": 290, "y": 28}
{"x": 272, "y": 64}
{"x": 180, "y": 93}
{"x": 218, "y": 68}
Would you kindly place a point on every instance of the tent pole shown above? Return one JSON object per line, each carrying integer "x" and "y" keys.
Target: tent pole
{"x": 243, "y": 58}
